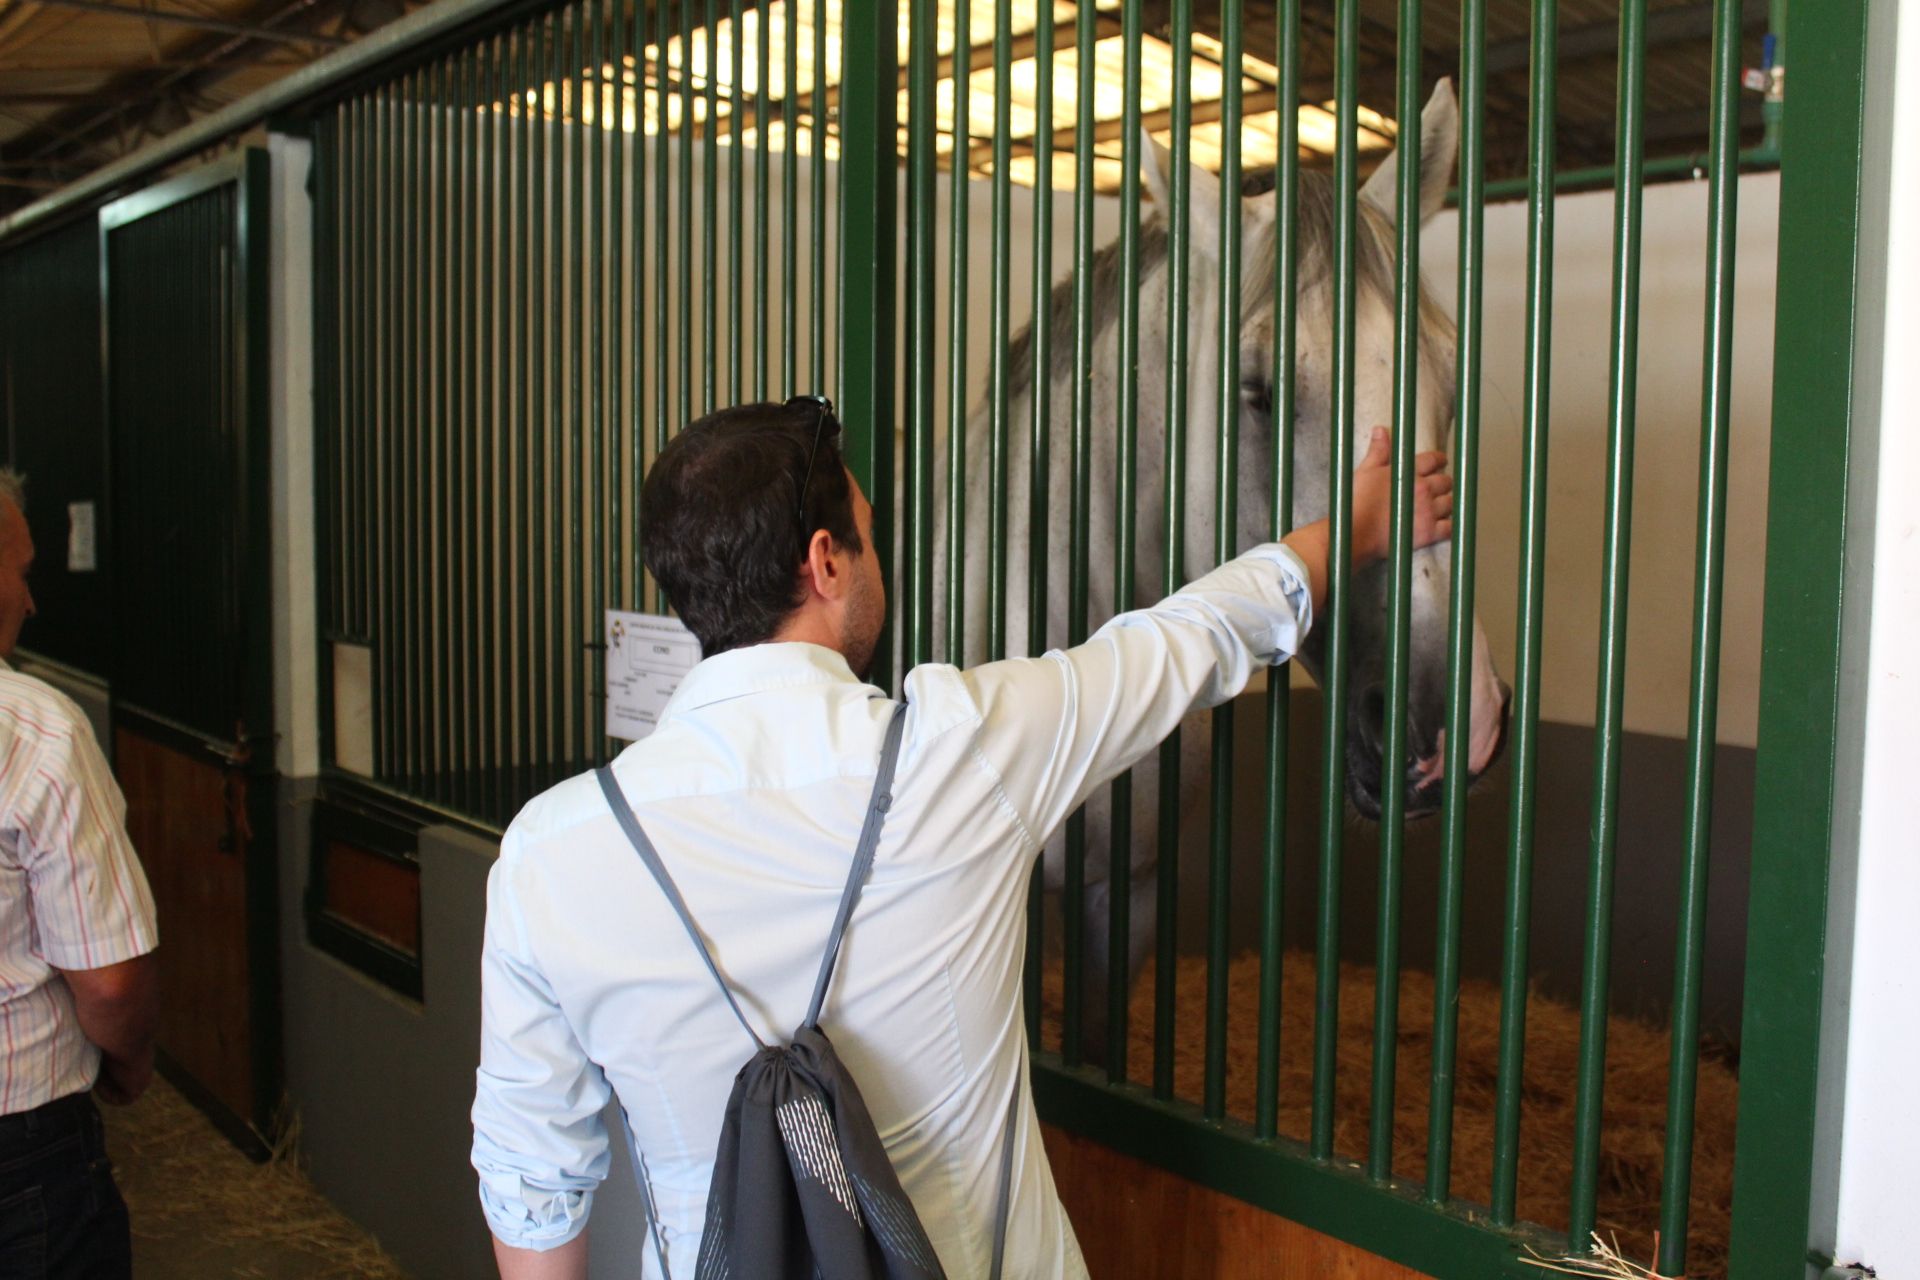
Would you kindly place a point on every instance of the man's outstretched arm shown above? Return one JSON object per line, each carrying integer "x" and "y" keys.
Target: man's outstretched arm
{"x": 568, "y": 1262}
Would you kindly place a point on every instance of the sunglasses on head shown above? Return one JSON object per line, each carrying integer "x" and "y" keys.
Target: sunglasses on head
{"x": 825, "y": 426}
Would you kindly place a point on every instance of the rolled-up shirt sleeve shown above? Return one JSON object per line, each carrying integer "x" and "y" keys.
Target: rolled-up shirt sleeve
{"x": 539, "y": 1143}
{"x": 1057, "y": 727}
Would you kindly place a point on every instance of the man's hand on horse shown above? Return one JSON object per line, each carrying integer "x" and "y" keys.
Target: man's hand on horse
{"x": 1373, "y": 500}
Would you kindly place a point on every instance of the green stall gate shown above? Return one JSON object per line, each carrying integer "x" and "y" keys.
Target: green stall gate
{"x": 546, "y": 236}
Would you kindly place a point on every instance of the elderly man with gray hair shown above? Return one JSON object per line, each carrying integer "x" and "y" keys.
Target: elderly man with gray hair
{"x": 79, "y": 989}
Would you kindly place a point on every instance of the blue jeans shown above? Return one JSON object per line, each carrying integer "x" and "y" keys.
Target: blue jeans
{"x": 60, "y": 1214}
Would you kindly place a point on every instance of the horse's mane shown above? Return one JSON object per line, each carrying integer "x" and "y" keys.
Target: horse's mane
{"x": 1374, "y": 263}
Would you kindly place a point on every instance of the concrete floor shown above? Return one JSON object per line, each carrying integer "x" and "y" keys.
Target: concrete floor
{"x": 201, "y": 1210}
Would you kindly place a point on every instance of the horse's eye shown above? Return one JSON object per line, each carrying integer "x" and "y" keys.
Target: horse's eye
{"x": 1258, "y": 393}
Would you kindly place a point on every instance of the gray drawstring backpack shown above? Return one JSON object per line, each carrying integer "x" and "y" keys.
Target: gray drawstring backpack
{"x": 802, "y": 1186}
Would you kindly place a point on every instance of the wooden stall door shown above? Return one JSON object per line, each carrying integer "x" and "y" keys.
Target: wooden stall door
{"x": 184, "y": 317}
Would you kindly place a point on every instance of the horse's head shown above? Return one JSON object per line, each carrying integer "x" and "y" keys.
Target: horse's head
{"x": 1370, "y": 640}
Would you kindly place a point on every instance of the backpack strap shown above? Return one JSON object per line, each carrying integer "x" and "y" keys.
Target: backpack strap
{"x": 1004, "y": 1203}
{"x": 623, "y": 812}
{"x": 877, "y": 807}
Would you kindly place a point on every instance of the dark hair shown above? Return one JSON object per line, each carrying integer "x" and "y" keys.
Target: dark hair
{"x": 720, "y": 524}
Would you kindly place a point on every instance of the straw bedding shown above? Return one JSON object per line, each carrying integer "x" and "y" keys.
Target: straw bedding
{"x": 1634, "y": 1119}
{"x": 198, "y": 1206}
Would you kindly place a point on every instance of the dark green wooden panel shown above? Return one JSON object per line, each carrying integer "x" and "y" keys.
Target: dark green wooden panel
{"x": 51, "y": 430}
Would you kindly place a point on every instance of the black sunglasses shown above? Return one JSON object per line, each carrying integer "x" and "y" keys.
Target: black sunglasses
{"x": 826, "y": 426}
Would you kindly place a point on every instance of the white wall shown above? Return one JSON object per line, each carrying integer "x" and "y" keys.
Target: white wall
{"x": 290, "y": 340}
{"x": 1667, "y": 444}
{"x": 1872, "y": 1038}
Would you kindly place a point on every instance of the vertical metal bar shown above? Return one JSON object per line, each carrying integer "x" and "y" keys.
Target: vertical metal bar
{"x": 1610, "y": 697}
{"x": 450, "y": 599}
{"x": 957, "y": 290}
{"x": 619, "y": 425}
{"x": 543, "y": 432}
{"x": 710, "y": 206}
{"x": 661, "y": 228}
{"x": 636, "y": 47}
{"x": 1676, "y": 1179}
{"x": 457, "y": 414}
{"x": 685, "y": 206}
{"x": 573, "y": 451}
{"x": 736, "y": 209}
{"x": 1393, "y": 753}
{"x": 761, "y": 284}
{"x": 489, "y": 197}
{"x": 1524, "y": 718}
{"x": 1286, "y": 239}
{"x": 1040, "y": 452}
{"x": 817, "y": 339}
{"x": 922, "y": 160}
{"x": 789, "y": 208}
{"x": 998, "y": 306}
{"x": 419, "y": 672}
{"x": 525, "y": 358}
{"x": 1460, "y": 628}
{"x": 867, "y": 231}
{"x": 330, "y": 475}
{"x": 1080, "y": 503}
{"x": 1824, "y": 261}
{"x": 596, "y": 553}
{"x": 362, "y": 361}
{"x": 1339, "y": 576}
{"x": 1226, "y": 532}
{"x": 1126, "y": 508}
{"x": 1174, "y": 501}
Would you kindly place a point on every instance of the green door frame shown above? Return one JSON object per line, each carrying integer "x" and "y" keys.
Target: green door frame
{"x": 248, "y": 170}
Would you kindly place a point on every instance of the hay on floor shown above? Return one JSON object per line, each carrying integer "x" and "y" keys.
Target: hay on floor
{"x": 1633, "y": 1124}
{"x": 188, "y": 1189}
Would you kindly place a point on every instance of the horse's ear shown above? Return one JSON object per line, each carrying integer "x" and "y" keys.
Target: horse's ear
{"x": 1203, "y": 196}
{"x": 1439, "y": 144}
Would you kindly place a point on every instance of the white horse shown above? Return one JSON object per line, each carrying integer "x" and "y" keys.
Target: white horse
{"x": 1312, "y": 428}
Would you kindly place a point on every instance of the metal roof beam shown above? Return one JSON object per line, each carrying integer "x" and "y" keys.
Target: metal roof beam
{"x": 194, "y": 20}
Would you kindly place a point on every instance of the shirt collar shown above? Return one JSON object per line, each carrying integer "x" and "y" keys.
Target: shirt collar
{"x": 758, "y": 669}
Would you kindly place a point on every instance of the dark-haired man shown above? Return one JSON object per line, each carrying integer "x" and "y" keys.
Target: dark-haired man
{"x": 753, "y": 787}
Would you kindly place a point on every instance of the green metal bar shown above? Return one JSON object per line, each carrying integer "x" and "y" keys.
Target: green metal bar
{"x": 685, "y": 206}
{"x": 574, "y": 550}
{"x": 790, "y": 209}
{"x": 549, "y": 404}
{"x": 818, "y": 191}
{"x": 736, "y": 211}
{"x": 490, "y": 197}
{"x": 870, "y": 165}
{"x": 526, "y": 396}
{"x": 1609, "y": 728}
{"x": 1524, "y": 717}
{"x": 957, "y": 286}
{"x": 761, "y": 281}
{"x": 622, "y": 429}
{"x": 1126, "y": 505}
{"x": 1226, "y": 534}
{"x": 1460, "y": 630}
{"x": 330, "y": 471}
{"x": 637, "y": 356}
{"x": 1690, "y": 944}
{"x": 597, "y": 552}
{"x": 1393, "y": 752}
{"x": 456, "y": 495}
{"x": 1339, "y": 576}
{"x": 922, "y": 162}
{"x": 1039, "y": 459}
{"x": 418, "y": 406}
{"x": 1166, "y": 959}
{"x": 1080, "y": 504}
{"x": 710, "y": 205}
{"x": 367, "y": 359}
{"x": 662, "y": 280}
{"x": 1814, "y": 372}
{"x": 999, "y": 410}
{"x": 1286, "y": 238}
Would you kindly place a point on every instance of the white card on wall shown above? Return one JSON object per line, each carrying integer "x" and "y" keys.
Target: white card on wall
{"x": 83, "y": 543}
{"x": 646, "y": 657}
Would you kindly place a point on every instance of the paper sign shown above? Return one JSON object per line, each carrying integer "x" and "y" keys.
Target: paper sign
{"x": 646, "y": 657}
{"x": 82, "y": 545}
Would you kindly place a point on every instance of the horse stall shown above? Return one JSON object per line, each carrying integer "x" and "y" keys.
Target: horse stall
{"x": 1487, "y": 934}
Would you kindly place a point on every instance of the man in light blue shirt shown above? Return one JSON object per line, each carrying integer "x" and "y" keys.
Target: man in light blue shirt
{"x": 754, "y": 786}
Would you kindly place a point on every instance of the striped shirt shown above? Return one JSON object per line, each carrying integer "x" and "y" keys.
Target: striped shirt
{"x": 72, "y": 894}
